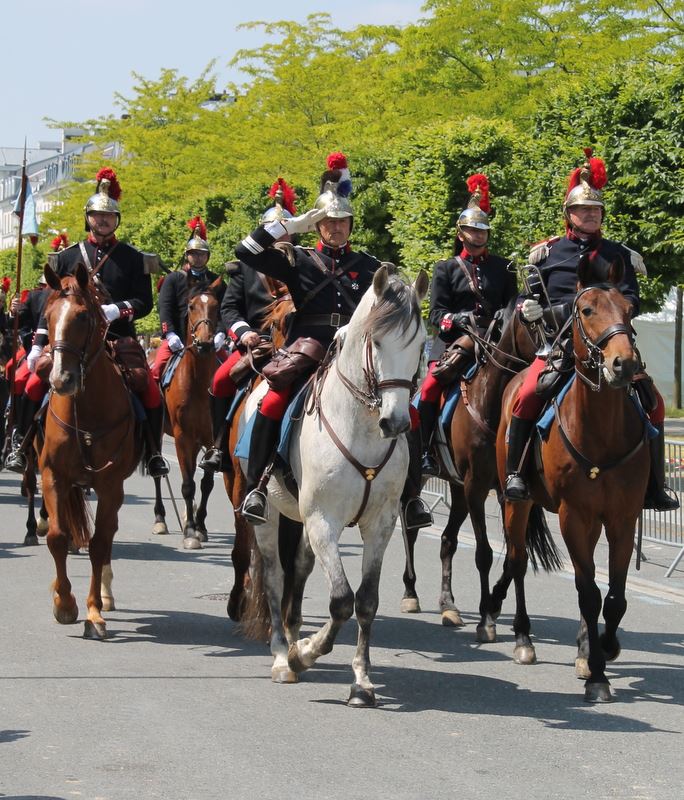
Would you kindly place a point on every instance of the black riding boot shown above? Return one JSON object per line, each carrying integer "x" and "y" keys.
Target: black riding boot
{"x": 518, "y": 435}
{"x": 261, "y": 447}
{"x": 22, "y": 434}
{"x": 157, "y": 465}
{"x": 657, "y": 496}
{"x": 413, "y": 507}
{"x": 429, "y": 413}
{"x": 217, "y": 455}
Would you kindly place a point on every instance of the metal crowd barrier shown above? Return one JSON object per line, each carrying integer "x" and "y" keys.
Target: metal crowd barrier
{"x": 664, "y": 528}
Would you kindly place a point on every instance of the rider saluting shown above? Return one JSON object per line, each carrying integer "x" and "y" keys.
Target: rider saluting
{"x": 326, "y": 284}
{"x": 558, "y": 259}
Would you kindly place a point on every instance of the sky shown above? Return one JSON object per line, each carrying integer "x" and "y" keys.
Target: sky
{"x": 66, "y": 60}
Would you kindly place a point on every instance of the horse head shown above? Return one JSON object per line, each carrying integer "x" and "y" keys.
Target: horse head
{"x": 602, "y": 329}
{"x": 203, "y": 313}
{"x": 276, "y": 318}
{"x": 384, "y": 344}
{"x": 74, "y": 318}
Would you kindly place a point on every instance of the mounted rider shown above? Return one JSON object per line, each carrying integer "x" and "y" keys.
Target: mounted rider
{"x": 245, "y": 302}
{"x": 123, "y": 272}
{"x": 468, "y": 291}
{"x": 173, "y": 297}
{"x": 29, "y": 309}
{"x": 558, "y": 259}
{"x": 326, "y": 283}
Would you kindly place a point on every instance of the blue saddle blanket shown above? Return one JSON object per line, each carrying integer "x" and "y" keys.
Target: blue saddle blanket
{"x": 544, "y": 423}
{"x": 451, "y": 397}
{"x": 170, "y": 370}
{"x": 292, "y": 415}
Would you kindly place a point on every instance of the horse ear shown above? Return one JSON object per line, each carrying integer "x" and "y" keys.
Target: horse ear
{"x": 421, "y": 285}
{"x": 380, "y": 281}
{"x": 216, "y": 285}
{"x": 51, "y": 277}
{"x": 583, "y": 271}
{"x": 616, "y": 271}
{"x": 82, "y": 276}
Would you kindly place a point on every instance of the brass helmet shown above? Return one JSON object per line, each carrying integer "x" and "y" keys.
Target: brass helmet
{"x": 336, "y": 187}
{"x": 198, "y": 238}
{"x": 476, "y": 215}
{"x": 585, "y": 184}
{"x": 106, "y": 197}
{"x": 284, "y": 202}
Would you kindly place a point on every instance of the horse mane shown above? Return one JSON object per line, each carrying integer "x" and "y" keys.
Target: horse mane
{"x": 397, "y": 306}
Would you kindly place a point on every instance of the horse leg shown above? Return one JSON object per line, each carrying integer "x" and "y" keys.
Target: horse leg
{"x": 42, "y": 527}
{"x": 191, "y": 540}
{"x": 362, "y": 693}
{"x": 621, "y": 544}
{"x": 240, "y": 556}
{"x": 159, "y": 526}
{"x": 451, "y": 616}
{"x": 486, "y": 628}
{"x": 31, "y": 537}
{"x": 297, "y": 567}
{"x": 267, "y": 541}
{"x": 323, "y": 538}
{"x": 410, "y": 604}
{"x": 64, "y": 607}
{"x": 206, "y": 486}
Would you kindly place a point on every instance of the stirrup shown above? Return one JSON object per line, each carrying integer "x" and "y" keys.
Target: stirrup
{"x": 416, "y": 514}
{"x": 255, "y": 507}
{"x": 516, "y": 488}
{"x": 157, "y": 466}
{"x": 16, "y": 461}
{"x": 212, "y": 459}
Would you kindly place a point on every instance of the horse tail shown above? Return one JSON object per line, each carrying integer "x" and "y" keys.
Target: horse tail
{"x": 75, "y": 516}
{"x": 541, "y": 548}
{"x": 255, "y": 621}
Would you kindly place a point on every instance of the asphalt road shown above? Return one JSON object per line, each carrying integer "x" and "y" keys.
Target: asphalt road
{"x": 177, "y": 705}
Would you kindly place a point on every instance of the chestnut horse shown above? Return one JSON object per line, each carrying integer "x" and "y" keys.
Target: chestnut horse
{"x": 90, "y": 441}
{"x": 595, "y": 466}
{"x": 188, "y": 415}
{"x": 244, "y": 550}
{"x": 473, "y": 451}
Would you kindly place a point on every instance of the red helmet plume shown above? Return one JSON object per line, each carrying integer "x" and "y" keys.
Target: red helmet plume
{"x": 197, "y": 226}
{"x": 479, "y": 183}
{"x": 60, "y": 242}
{"x": 288, "y": 193}
{"x": 107, "y": 173}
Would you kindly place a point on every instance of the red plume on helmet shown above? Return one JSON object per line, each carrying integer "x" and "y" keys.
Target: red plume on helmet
{"x": 593, "y": 172}
{"x": 107, "y": 173}
{"x": 198, "y": 227}
{"x": 288, "y": 193}
{"x": 60, "y": 242}
{"x": 6, "y": 282}
{"x": 338, "y": 173}
{"x": 480, "y": 183}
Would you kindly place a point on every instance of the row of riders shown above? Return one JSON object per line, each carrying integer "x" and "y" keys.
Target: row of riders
{"x": 473, "y": 293}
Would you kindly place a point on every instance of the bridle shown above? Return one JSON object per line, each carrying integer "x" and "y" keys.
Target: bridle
{"x": 211, "y": 325}
{"x": 595, "y": 359}
{"x": 85, "y": 355}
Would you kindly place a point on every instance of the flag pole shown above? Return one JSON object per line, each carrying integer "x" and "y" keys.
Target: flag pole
{"x": 17, "y": 293}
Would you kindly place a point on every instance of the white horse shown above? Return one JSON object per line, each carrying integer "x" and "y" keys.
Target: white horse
{"x": 350, "y": 460}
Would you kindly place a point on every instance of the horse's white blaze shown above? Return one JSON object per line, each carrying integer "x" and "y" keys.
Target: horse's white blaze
{"x": 57, "y": 356}
{"x": 204, "y": 298}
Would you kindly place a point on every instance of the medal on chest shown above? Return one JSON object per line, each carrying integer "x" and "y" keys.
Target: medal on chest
{"x": 354, "y": 276}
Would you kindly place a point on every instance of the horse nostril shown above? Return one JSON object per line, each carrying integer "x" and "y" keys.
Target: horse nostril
{"x": 617, "y": 365}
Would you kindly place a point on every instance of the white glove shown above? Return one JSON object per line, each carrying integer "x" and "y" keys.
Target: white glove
{"x": 174, "y": 342}
{"x": 219, "y": 340}
{"x": 531, "y": 310}
{"x": 301, "y": 224}
{"x": 111, "y": 311}
{"x": 33, "y": 356}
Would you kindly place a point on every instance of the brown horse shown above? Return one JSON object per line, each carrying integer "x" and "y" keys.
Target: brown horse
{"x": 188, "y": 417}
{"x": 594, "y": 470}
{"x": 90, "y": 441}
{"x": 244, "y": 548}
{"x": 472, "y": 448}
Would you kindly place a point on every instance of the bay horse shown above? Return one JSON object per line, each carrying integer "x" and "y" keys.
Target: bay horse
{"x": 595, "y": 467}
{"x": 188, "y": 416}
{"x": 472, "y": 446}
{"x": 349, "y": 458}
{"x": 90, "y": 441}
{"x": 244, "y": 552}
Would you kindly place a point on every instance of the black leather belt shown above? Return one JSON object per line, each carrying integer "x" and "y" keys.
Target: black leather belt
{"x": 329, "y": 320}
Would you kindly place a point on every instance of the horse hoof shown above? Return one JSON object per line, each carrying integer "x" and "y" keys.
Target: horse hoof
{"x": 294, "y": 660}
{"x": 410, "y": 605}
{"x": 486, "y": 634}
{"x": 191, "y": 543}
{"x": 30, "y": 540}
{"x": 451, "y": 618}
{"x": 610, "y": 651}
{"x": 524, "y": 654}
{"x": 582, "y": 670}
{"x": 108, "y": 604}
{"x": 598, "y": 693}
{"x": 94, "y": 630}
{"x": 160, "y": 529}
{"x": 202, "y": 536}
{"x": 283, "y": 675}
{"x": 360, "y": 697}
{"x": 43, "y": 527}
{"x": 65, "y": 616}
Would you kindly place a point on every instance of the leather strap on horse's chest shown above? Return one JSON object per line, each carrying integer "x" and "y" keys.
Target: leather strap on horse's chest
{"x": 591, "y": 469}
{"x": 367, "y": 473}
